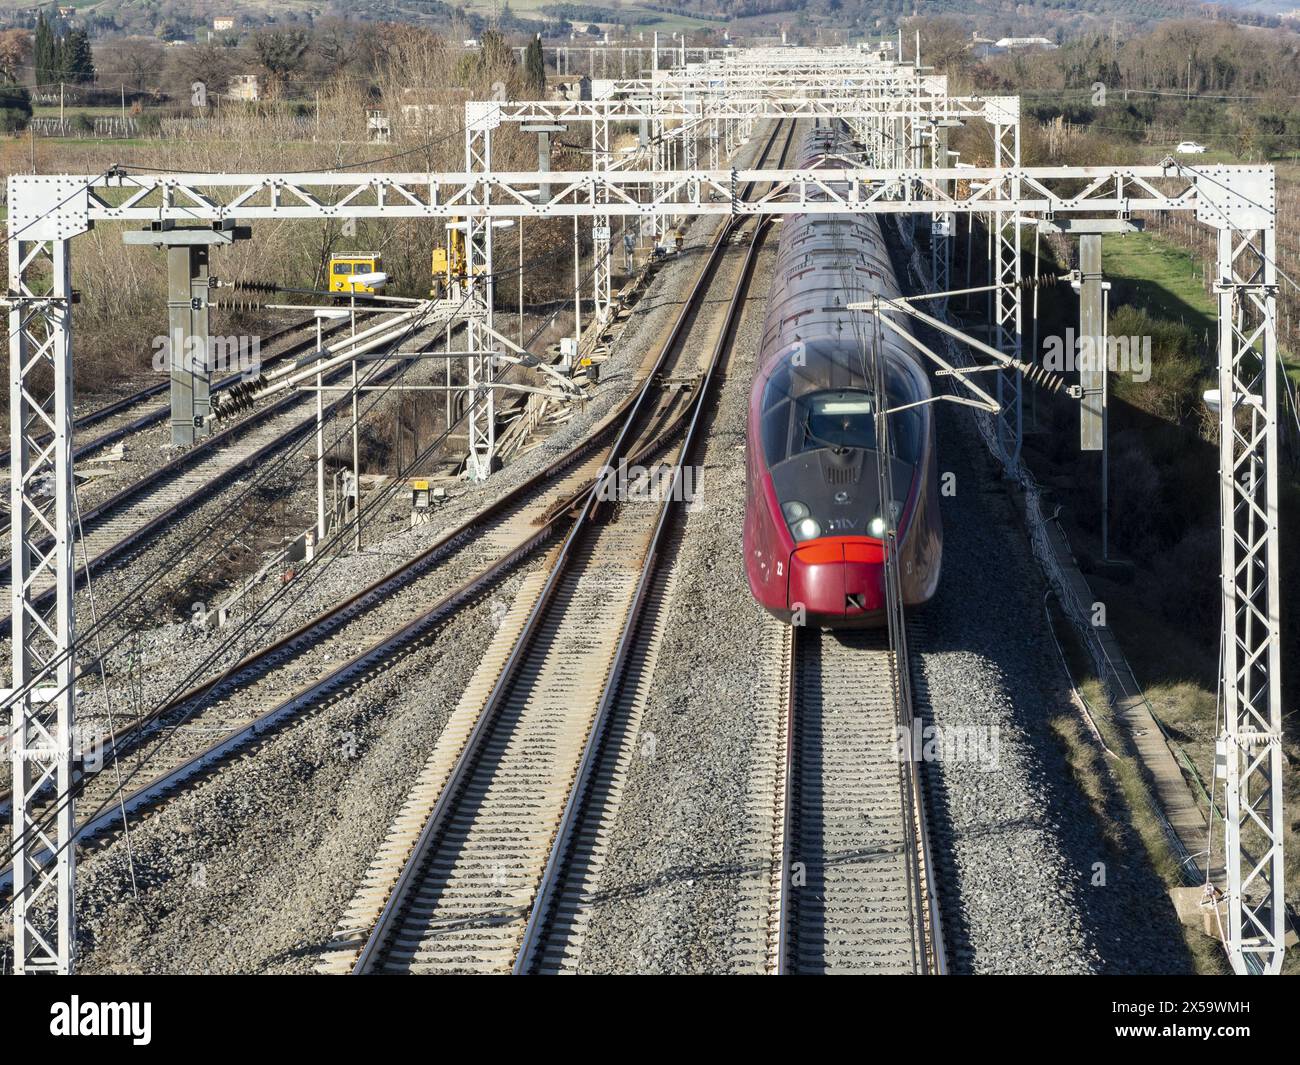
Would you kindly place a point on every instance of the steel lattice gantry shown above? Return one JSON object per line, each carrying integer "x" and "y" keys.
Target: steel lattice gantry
{"x": 903, "y": 122}
{"x": 480, "y": 283}
{"x": 46, "y": 213}
{"x": 1008, "y": 296}
{"x": 1250, "y": 745}
{"x": 41, "y": 701}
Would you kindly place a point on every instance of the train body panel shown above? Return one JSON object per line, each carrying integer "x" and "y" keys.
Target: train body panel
{"x": 814, "y": 520}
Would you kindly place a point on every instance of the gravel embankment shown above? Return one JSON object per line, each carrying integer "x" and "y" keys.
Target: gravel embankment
{"x": 1029, "y": 882}
{"x": 249, "y": 871}
{"x": 1021, "y": 846}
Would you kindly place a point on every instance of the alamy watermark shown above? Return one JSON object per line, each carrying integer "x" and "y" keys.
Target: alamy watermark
{"x": 653, "y": 484}
{"x": 89, "y": 744}
{"x": 220, "y": 354}
{"x": 1117, "y": 354}
{"x": 958, "y": 744}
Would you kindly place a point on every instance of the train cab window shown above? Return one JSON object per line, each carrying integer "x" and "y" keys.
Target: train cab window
{"x": 801, "y": 414}
{"x": 776, "y": 415}
{"x": 837, "y": 420}
{"x": 342, "y": 268}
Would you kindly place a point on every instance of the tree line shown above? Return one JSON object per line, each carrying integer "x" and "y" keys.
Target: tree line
{"x": 61, "y": 56}
{"x": 1233, "y": 87}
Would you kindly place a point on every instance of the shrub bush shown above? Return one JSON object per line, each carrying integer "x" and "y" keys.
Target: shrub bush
{"x": 1174, "y": 387}
{"x": 1134, "y": 492}
{"x": 15, "y": 108}
{"x": 1189, "y": 580}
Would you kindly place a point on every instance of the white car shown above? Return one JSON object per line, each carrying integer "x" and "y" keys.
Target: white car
{"x": 1190, "y": 148}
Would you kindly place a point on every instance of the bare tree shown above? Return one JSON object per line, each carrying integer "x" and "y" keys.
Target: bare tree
{"x": 15, "y": 50}
{"x": 335, "y": 48}
{"x": 205, "y": 64}
{"x": 134, "y": 62}
{"x": 945, "y": 43}
{"x": 281, "y": 53}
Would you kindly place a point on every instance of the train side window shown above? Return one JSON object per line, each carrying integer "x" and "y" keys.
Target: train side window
{"x": 905, "y": 434}
{"x": 904, "y": 426}
{"x": 776, "y": 431}
{"x": 775, "y": 423}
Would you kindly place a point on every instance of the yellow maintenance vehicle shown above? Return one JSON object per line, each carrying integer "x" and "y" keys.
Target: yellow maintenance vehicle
{"x": 449, "y": 262}
{"x": 346, "y": 265}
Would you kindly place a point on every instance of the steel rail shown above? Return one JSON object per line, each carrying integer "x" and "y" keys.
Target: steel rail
{"x": 336, "y": 682}
{"x": 534, "y": 929}
{"x": 921, "y": 904}
{"x": 110, "y": 812}
{"x": 783, "y": 899}
{"x": 145, "y": 485}
{"x": 470, "y": 749}
{"x": 903, "y": 933}
{"x": 357, "y": 604}
{"x": 928, "y": 951}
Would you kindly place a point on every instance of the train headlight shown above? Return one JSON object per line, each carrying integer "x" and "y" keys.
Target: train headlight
{"x": 876, "y": 527}
{"x": 806, "y": 529}
{"x": 794, "y": 511}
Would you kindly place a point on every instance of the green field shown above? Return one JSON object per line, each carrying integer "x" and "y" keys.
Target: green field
{"x": 70, "y": 111}
{"x": 1166, "y": 281}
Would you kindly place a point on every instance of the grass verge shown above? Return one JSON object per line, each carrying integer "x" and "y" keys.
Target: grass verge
{"x": 1116, "y": 789}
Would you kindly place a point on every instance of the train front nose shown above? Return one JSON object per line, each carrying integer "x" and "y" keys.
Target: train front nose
{"x": 838, "y": 581}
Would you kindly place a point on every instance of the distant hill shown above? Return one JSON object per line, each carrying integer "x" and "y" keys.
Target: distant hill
{"x": 805, "y": 20}
{"x": 1051, "y": 18}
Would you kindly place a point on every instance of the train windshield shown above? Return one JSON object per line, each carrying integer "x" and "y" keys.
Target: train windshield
{"x": 838, "y": 420}
{"x": 802, "y": 414}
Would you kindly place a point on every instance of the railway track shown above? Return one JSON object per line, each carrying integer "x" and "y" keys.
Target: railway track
{"x": 491, "y": 864}
{"x": 852, "y": 877}
{"x": 258, "y": 694}
{"x": 844, "y": 897}
{"x": 252, "y": 699}
{"x": 135, "y": 422}
{"x": 131, "y": 517}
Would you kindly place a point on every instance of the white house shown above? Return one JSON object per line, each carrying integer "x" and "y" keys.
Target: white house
{"x": 1023, "y": 42}
{"x": 243, "y": 87}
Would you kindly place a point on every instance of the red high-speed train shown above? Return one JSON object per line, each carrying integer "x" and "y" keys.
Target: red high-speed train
{"x": 814, "y": 520}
